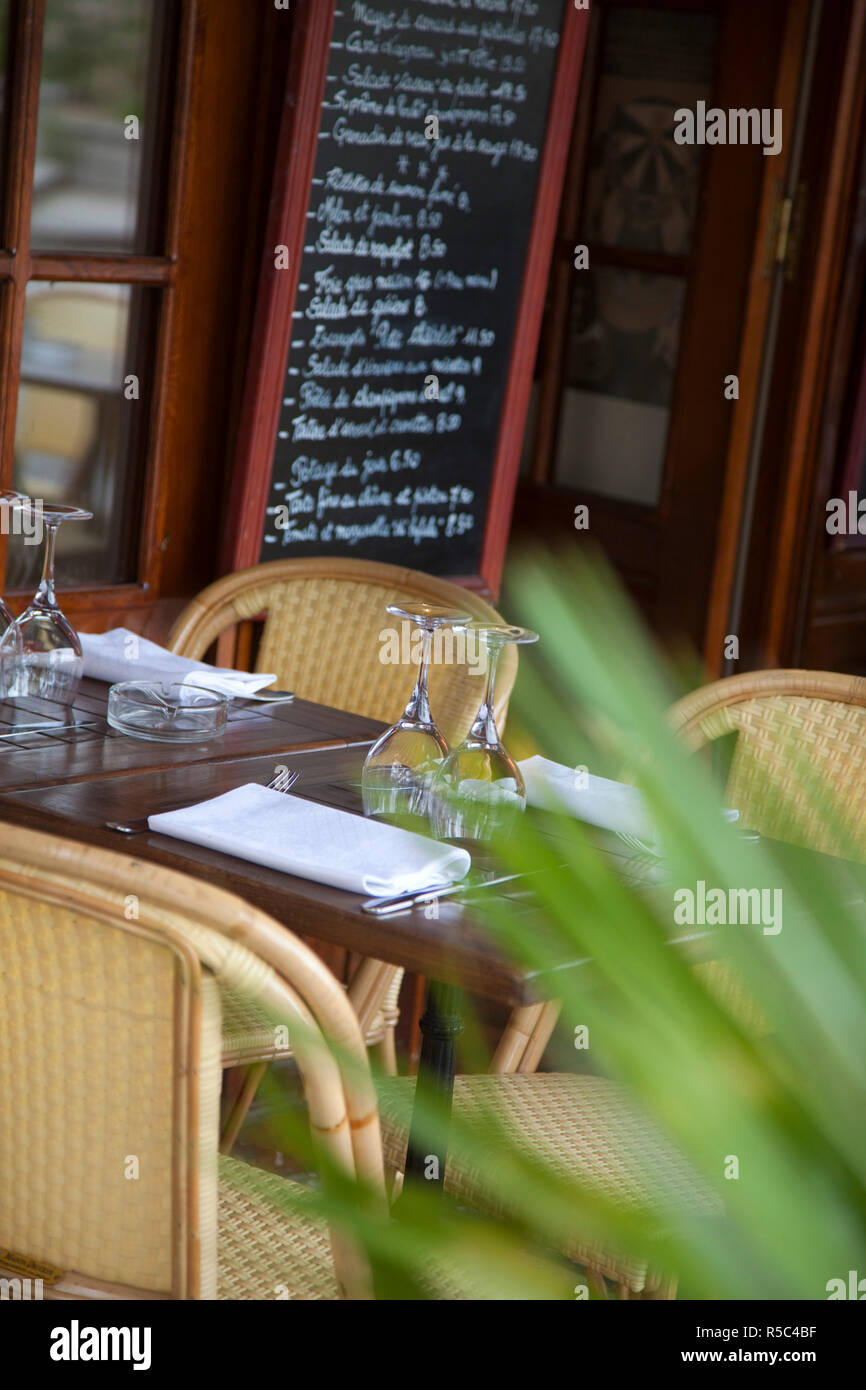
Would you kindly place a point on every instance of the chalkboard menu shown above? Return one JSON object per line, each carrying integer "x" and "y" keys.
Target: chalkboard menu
{"x": 426, "y": 170}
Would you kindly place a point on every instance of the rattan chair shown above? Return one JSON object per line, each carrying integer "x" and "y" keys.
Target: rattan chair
{"x": 110, "y": 1061}
{"x": 798, "y": 772}
{"x": 322, "y": 635}
{"x": 798, "y": 732}
{"x": 323, "y": 621}
{"x": 250, "y": 1041}
{"x": 111, "y": 976}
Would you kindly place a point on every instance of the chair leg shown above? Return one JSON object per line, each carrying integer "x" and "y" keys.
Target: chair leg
{"x": 664, "y": 1291}
{"x": 515, "y": 1036}
{"x": 385, "y": 1052}
{"x": 596, "y": 1283}
{"x": 541, "y": 1035}
{"x": 525, "y": 1037}
{"x": 238, "y": 1112}
{"x": 233, "y": 1079}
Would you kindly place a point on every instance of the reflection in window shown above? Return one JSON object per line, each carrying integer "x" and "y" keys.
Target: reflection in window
{"x": 100, "y": 65}
{"x": 622, "y": 352}
{"x": 76, "y": 434}
{"x": 641, "y": 186}
{"x": 638, "y": 211}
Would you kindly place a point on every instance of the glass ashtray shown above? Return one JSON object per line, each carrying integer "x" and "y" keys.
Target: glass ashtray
{"x": 167, "y": 714}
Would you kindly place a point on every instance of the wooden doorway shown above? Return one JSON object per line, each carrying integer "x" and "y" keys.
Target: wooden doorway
{"x": 634, "y": 409}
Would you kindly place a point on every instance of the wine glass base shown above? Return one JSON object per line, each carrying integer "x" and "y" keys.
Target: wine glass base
{"x": 35, "y": 680}
{"x": 402, "y": 798}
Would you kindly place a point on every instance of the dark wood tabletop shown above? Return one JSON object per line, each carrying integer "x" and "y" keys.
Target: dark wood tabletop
{"x": 70, "y": 778}
{"x": 72, "y": 774}
{"x": 43, "y": 744}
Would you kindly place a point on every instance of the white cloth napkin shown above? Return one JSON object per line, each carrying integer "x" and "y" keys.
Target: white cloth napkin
{"x": 598, "y": 800}
{"x": 319, "y": 842}
{"x": 120, "y": 655}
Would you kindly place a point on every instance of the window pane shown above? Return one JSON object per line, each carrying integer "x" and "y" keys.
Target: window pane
{"x": 94, "y": 182}
{"x": 642, "y": 187}
{"x": 622, "y": 352}
{"x": 80, "y": 425}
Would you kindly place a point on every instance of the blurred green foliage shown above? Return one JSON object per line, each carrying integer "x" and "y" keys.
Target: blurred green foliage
{"x": 787, "y": 1099}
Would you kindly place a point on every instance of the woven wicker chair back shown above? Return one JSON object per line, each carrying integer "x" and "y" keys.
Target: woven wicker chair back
{"x": 798, "y": 771}
{"x": 327, "y": 636}
{"x": 111, "y": 1060}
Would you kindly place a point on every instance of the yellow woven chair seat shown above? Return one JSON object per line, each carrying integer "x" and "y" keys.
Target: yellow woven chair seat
{"x": 582, "y": 1128}
{"x": 267, "y": 1249}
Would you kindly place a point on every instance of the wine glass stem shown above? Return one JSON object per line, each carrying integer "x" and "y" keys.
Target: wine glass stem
{"x": 484, "y": 726}
{"x": 418, "y": 708}
{"x": 45, "y": 596}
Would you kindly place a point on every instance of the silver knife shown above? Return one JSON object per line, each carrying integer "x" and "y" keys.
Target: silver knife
{"x": 138, "y": 827}
{"x": 401, "y": 902}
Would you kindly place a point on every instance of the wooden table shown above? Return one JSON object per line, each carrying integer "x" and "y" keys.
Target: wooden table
{"x": 71, "y": 780}
{"x": 70, "y": 774}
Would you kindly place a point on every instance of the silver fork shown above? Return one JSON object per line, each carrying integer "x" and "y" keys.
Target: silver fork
{"x": 282, "y": 781}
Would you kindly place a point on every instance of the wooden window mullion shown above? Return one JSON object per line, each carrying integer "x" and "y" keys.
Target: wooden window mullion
{"x": 27, "y": 21}
{"x": 97, "y": 268}
{"x": 150, "y": 552}
{"x": 24, "y": 66}
{"x": 555, "y": 334}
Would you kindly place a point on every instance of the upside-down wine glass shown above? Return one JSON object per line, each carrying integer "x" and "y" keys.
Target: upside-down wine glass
{"x": 479, "y": 789}
{"x": 40, "y": 653}
{"x": 398, "y": 772}
{"x": 8, "y": 500}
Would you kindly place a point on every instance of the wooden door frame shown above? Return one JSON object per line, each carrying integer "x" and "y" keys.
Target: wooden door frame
{"x": 810, "y": 438}
{"x": 829, "y": 618}
{"x": 761, "y": 278}
{"x": 801, "y": 505}
{"x": 672, "y": 581}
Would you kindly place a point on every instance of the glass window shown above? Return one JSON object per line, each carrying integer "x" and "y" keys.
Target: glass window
{"x": 641, "y": 188}
{"x": 637, "y": 218}
{"x": 622, "y": 352}
{"x": 81, "y": 421}
{"x": 96, "y": 133}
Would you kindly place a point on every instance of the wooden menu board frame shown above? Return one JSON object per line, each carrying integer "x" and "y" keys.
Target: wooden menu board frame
{"x": 277, "y": 289}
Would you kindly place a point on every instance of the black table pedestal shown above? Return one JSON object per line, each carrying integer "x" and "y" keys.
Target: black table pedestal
{"x": 441, "y": 1026}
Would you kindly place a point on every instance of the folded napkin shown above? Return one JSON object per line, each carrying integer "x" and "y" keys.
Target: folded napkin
{"x": 120, "y": 655}
{"x": 301, "y": 837}
{"x": 598, "y": 800}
